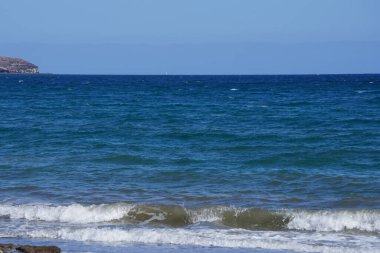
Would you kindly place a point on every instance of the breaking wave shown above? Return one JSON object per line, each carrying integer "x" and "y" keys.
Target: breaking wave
{"x": 178, "y": 216}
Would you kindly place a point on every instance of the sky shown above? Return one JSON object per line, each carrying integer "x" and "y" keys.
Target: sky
{"x": 193, "y": 36}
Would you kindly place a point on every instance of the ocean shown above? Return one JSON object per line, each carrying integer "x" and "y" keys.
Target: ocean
{"x": 191, "y": 163}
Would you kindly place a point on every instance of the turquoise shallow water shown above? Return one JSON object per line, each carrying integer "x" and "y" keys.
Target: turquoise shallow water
{"x": 195, "y": 162}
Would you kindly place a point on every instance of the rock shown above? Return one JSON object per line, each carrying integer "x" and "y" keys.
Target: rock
{"x": 38, "y": 249}
{"x": 5, "y": 248}
{"x": 10, "y": 65}
{"x": 11, "y": 248}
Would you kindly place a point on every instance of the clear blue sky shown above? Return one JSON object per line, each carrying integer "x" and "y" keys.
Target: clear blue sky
{"x": 193, "y": 36}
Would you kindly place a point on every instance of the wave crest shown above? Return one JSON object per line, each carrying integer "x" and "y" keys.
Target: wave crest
{"x": 178, "y": 216}
{"x": 362, "y": 220}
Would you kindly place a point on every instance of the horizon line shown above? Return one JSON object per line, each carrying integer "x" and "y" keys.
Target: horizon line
{"x": 282, "y": 74}
{"x": 104, "y": 74}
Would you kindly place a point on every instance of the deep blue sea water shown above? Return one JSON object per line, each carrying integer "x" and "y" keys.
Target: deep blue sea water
{"x": 191, "y": 163}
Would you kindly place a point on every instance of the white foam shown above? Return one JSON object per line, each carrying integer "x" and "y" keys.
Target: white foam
{"x": 211, "y": 214}
{"x": 72, "y": 213}
{"x": 335, "y": 220}
{"x": 227, "y": 238}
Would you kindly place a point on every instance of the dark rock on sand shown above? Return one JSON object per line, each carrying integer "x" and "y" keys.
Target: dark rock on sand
{"x": 11, "y": 248}
{"x": 39, "y": 249}
{"x": 5, "y": 248}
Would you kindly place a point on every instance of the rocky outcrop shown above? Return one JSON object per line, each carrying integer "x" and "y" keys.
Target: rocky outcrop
{"x": 11, "y": 248}
{"x": 5, "y": 248}
{"x": 38, "y": 249}
{"x": 10, "y": 65}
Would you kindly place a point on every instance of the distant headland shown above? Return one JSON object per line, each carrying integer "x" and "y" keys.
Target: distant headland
{"x": 9, "y": 65}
